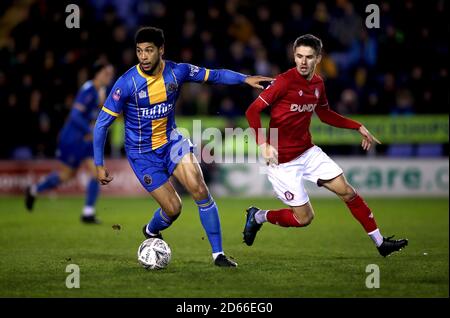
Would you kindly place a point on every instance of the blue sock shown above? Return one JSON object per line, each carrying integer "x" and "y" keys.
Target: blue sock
{"x": 159, "y": 222}
{"x": 209, "y": 216}
{"x": 92, "y": 191}
{"x": 50, "y": 182}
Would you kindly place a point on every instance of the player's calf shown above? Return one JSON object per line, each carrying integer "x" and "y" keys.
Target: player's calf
{"x": 282, "y": 217}
{"x": 287, "y": 218}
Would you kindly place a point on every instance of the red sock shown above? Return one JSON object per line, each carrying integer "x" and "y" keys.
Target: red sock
{"x": 283, "y": 217}
{"x": 362, "y": 213}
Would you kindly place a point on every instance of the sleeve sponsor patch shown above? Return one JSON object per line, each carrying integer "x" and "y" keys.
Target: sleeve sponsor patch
{"x": 193, "y": 70}
{"x": 116, "y": 94}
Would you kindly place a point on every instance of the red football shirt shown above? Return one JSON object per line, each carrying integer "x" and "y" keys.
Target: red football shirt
{"x": 293, "y": 99}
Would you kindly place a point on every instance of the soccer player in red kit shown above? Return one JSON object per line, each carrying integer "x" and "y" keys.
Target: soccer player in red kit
{"x": 292, "y": 98}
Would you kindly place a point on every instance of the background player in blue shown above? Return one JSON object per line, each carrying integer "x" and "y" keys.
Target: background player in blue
{"x": 75, "y": 142}
{"x": 146, "y": 94}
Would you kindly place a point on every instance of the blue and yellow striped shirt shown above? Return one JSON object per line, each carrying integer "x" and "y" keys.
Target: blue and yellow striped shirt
{"x": 148, "y": 104}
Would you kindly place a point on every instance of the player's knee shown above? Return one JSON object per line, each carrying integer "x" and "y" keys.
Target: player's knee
{"x": 176, "y": 208}
{"x": 173, "y": 208}
{"x": 304, "y": 219}
{"x": 348, "y": 194}
{"x": 307, "y": 220}
{"x": 199, "y": 191}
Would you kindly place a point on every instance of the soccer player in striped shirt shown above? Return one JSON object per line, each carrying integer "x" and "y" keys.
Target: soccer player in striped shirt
{"x": 292, "y": 98}
{"x": 146, "y": 95}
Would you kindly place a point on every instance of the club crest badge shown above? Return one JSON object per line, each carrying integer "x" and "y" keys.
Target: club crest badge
{"x": 316, "y": 93}
{"x": 147, "y": 179}
{"x": 171, "y": 87}
{"x": 289, "y": 195}
{"x": 142, "y": 94}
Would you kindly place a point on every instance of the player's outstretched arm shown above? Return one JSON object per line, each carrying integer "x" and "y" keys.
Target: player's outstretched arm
{"x": 254, "y": 80}
{"x": 191, "y": 73}
{"x": 368, "y": 138}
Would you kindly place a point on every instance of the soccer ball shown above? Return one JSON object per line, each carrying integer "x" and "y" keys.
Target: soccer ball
{"x": 154, "y": 253}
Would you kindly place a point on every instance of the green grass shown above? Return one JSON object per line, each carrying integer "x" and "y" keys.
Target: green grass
{"x": 326, "y": 259}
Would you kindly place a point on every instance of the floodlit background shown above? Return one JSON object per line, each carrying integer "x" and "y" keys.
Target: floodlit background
{"x": 393, "y": 79}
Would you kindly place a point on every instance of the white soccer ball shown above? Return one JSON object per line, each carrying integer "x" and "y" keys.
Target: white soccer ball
{"x": 154, "y": 253}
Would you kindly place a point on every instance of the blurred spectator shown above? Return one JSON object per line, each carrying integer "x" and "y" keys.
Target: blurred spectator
{"x": 348, "y": 103}
{"x": 228, "y": 109}
{"x": 241, "y": 29}
{"x": 262, "y": 65}
{"x": 297, "y": 23}
{"x": 404, "y": 103}
{"x": 387, "y": 94}
{"x": 346, "y": 24}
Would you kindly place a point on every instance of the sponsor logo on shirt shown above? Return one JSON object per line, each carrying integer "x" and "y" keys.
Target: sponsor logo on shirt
{"x": 157, "y": 111}
{"x": 303, "y": 108}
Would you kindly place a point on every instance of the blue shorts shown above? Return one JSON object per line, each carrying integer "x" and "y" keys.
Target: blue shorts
{"x": 74, "y": 153}
{"x": 154, "y": 168}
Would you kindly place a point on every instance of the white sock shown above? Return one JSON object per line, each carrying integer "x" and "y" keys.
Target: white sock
{"x": 150, "y": 233}
{"x": 376, "y": 237}
{"x": 33, "y": 190}
{"x": 214, "y": 255}
{"x": 88, "y": 211}
{"x": 261, "y": 216}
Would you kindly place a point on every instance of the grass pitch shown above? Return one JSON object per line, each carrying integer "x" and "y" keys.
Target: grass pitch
{"x": 326, "y": 259}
